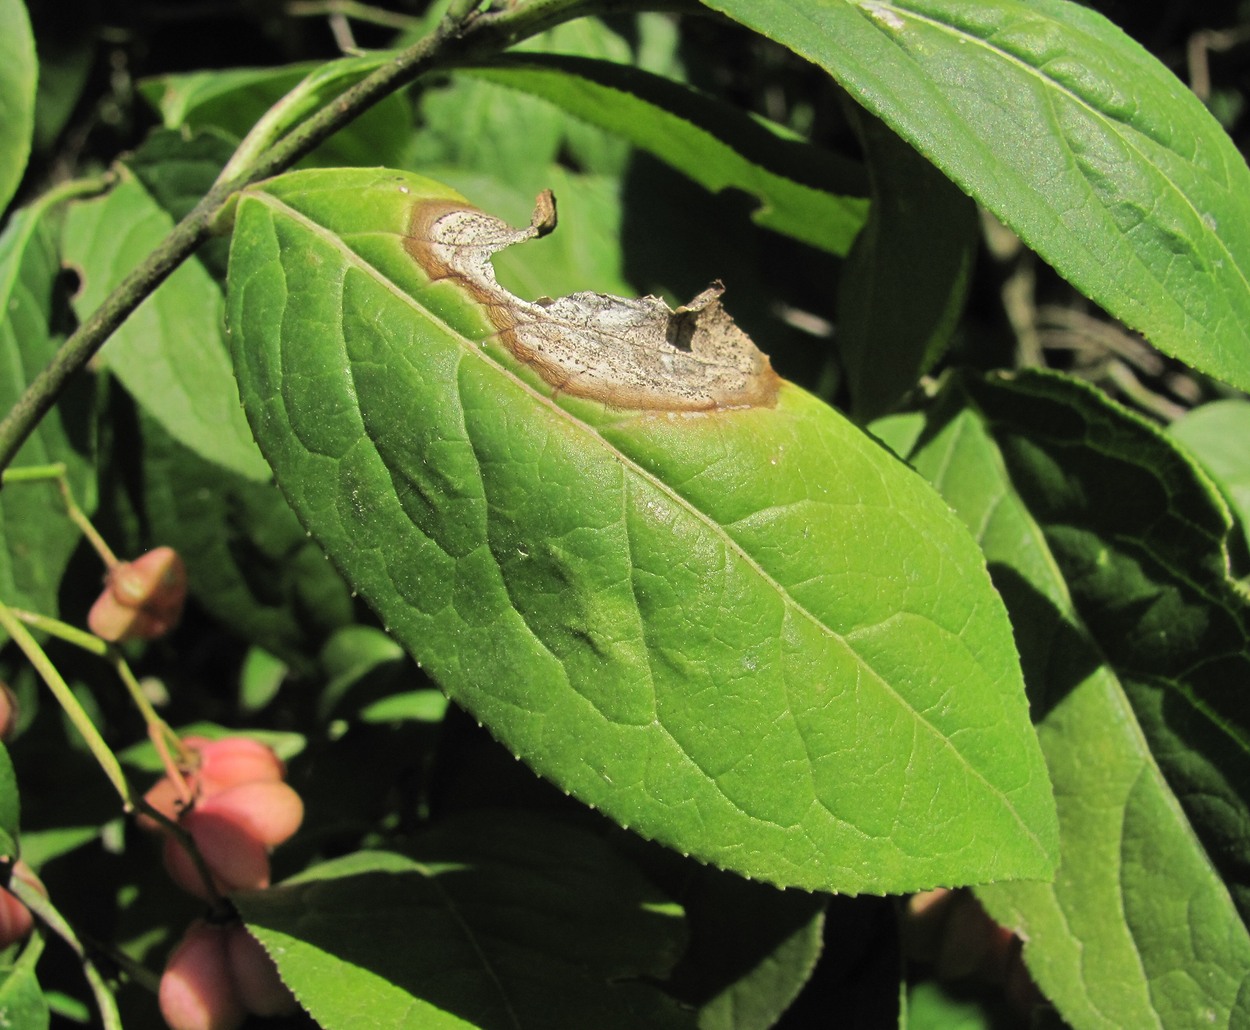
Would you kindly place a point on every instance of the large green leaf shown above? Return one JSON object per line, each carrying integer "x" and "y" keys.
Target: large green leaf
{"x": 1108, "y": 550}
{"x": 505, "y": 921}
{"x": 749, "y": 633}
{"x": 1068, "y": 131}
{"x": 36, "y": 536}
{"x": 801, "y": 190}
{"x": 169, "y": 354}
{"x": 18, "y": 72}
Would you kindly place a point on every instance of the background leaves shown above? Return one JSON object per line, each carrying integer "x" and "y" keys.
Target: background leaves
{"x": 1131, "y": 190}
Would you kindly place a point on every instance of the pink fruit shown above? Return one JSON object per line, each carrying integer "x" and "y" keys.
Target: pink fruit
{"x": 197, "y": 991}
{"x": 236, "y": 859}
{"x": 142, "y": 599}
{"x": 256, "y": 976}
{"x": 230, "y": 761}
{"x": 165, "y": 796}
{"x": 8, "y": 712}
{"x": 156, "y": 582}
{"x": 15, "y": 919}
{"x": 268, "y": 810}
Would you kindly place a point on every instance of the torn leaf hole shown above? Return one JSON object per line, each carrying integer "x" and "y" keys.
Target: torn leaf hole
{"x": 626, "y": 352}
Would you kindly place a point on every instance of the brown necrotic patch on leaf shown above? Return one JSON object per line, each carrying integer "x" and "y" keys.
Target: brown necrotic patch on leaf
{"x": 628, "y": 353}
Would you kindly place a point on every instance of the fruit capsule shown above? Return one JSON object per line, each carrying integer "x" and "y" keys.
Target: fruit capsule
{"x": 197, "y": 991}
{"x": 256, "y": 978}
{"x": 236, "y": 859}
{"x": 269, "y": 811}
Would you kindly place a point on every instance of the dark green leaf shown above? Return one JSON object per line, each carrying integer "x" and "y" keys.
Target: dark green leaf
{"x": 169, "y": 354}
{"x": 752, "y": 948}
{"x": 802, "y": 191}
{"x": 1107, "y": 548}
{"x": 504, "y": 921}
{"x": 1071, "y": 134}
{"x": 18, "y": 73}
{"x": 749, "y": 633}
{"x": 908, "y": 275}
{"x": 38, "y": 537}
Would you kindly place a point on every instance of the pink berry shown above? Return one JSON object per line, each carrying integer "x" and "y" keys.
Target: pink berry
{"x": 15, "y": 919}
{"x": 142, "y": 599}
{"x": 236, "y": 859}
{"x": 165, "y": 796}
{"x": 230, "y": 761}
{"x": 256, "y": 976}
{"x": 270, "y": 811}
{"x": 197, "y": 991}
{"x": 8, "y": 712}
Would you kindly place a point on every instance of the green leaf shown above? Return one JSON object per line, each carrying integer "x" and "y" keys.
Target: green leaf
{"x": 249, "y": 561}
{"x": 1106, "y": 546}
{"x": 801, "y": 190}
{"x": 504, "y": 921}
{"x": 935, "y": 1006}
{"x": 10, "y": 806}
{"x": 752, "y": 949}
{"x": 908, "y": 275}
{"x": 1216, "y": 435}
{"x": 22, "y": 1003}
{"x": 233, "y": 101}
{"x": 18, "y": 74}
{"x": 36, "y": 535}
{"x": 749, "y": 633}
{"x": 169, "y": 354}
{"x": 1072, "y": 135}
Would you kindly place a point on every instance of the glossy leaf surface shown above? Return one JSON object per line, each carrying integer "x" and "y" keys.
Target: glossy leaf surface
{"x": 748, "y": 633}
{"x": 1071, "y": 134}
{"x": 1107, "y": 548}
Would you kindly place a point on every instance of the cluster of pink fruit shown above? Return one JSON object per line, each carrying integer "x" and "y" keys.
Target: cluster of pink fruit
{"x": 15, "y": 918}
{"x": 234, "y": 804}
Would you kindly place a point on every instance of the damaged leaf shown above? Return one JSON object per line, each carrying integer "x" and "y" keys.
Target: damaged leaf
{"x": 685, "y": 591}
{"x": 626, "y": 353}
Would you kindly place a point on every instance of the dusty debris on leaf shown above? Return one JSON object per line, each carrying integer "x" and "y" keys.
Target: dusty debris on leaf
{"x": 627, "y": 353}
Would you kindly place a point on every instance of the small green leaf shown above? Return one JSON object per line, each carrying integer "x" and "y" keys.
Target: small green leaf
{"x": 10, "y": 806}
{"x": 18, "y": 74}
{"x": 627, "y": 598}
{"x": 1107, "y": 548}
{"x": 504, "y": 921}
{"x": 752, "y": 949}
{"x": 233, "y": 101}
{"x": 169, "y": 354}
{"x": 1071, "y": 134}
{"x": 908, "y": 275}
{"x": 36, "y": 535}
{"x": 1216, "y": 435}
{"x": 802, "y": 191}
